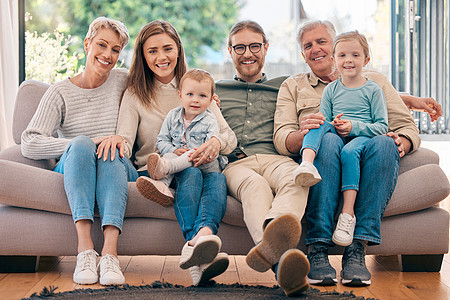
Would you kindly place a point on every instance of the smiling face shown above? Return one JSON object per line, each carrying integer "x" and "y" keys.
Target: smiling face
{"x": 195, "y": 97}
{"x": 161, "y": 55}
{"x": 316, "y": 45}
{"x": 102, "y": 51}
{"x": 350, "y": 59}
{"x": 248, "y": 65}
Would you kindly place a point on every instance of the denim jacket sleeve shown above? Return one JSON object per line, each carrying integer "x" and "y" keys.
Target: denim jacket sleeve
{"x": 164, "y": 139}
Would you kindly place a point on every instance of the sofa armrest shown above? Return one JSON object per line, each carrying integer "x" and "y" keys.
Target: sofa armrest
{"x": 14, "y": 154}
{"x": 420, "y": 157}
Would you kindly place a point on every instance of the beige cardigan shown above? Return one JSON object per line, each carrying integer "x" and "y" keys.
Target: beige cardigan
{"x": 141, "y": 124}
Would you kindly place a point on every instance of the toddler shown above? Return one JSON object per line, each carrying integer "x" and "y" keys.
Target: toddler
{"x": 184, "y": 129}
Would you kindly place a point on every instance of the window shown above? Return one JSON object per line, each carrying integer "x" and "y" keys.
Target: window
{"x": 421, "y": 55}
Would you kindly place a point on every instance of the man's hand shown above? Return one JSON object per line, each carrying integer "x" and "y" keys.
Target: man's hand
{"x": 403, "y": 144}
{"x": 294, "y": 140}
{"x": 428, "y": 105}
{"x": 206, "y": 152}
{"x": 110, "y": 143}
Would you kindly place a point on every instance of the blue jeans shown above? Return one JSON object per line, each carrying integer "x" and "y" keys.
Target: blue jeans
{"x": 350, "y": 153}
{"x": 200, "y": 200}
{"x": 88, "y": 179}
{"x": 379, "y": 172}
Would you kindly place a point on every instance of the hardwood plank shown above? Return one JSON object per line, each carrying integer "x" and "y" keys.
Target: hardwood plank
{"x": 251, "y": 277}
{"x": 144, "y": 269}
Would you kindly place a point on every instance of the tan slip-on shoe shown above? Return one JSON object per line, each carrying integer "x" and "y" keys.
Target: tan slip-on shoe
{"x": 292, "y": 270}
{"x": 281, "y": 234}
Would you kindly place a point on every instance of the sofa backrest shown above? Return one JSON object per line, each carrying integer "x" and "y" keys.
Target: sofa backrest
{"x": 28, "y": 97}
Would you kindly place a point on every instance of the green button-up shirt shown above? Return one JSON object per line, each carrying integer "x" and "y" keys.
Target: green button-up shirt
{"x": 249, "y": 108}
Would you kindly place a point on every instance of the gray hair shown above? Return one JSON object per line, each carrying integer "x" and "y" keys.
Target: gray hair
{"x": 311, "y": 25}
{"x": 103, "y": 22}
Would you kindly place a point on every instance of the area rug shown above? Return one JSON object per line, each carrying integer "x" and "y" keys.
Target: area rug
{"x": 159, "y": 290}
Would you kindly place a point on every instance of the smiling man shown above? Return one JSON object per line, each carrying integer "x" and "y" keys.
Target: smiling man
{"x": 257, "y": 175}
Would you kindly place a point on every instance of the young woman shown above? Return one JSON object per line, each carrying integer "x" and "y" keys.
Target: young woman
{"x": 83, "y": 110}
{"x": 157, "y": 67}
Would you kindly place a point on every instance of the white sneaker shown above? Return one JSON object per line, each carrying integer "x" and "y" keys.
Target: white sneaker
{"x": 110, "y": 273}
{"x": 203, "y": 273}
{"x": 86, "y": 270}
{"x": 157, "y": 166}
{"x": 306, "y": 174}
{"x": 205, "y": 250}
{"x": 343, "y": 234}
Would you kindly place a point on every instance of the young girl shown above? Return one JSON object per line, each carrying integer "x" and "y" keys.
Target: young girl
{"x": 361, "y": 102}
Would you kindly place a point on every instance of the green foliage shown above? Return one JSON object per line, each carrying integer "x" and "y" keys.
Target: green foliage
{"x": 200, "y": 23}
{"x": 47, "y": 58}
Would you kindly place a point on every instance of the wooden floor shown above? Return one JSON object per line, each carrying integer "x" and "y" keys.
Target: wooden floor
{"x": 387, "y": 280}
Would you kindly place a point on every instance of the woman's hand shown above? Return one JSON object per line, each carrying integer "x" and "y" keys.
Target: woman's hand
{"x": 403, "y": 144}
{"x": 215, "y": 97}
{"x": 110, "y": 143}
{"x": 206, "y": 152}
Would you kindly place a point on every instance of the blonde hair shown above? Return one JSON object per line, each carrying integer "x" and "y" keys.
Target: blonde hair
{"x": 199, "y": 76}
{"x": 352, "y": 36}
{"x": 140, "y": 78}
{"x": 103, "y": 22}
{"x": 311, "y": 25}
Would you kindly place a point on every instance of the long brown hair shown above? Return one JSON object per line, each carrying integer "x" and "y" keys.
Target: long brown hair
{"x": 140, "y": 78}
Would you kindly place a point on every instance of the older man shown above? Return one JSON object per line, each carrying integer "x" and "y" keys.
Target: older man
{"x": 296, "y": 113}
{"x": 257, "y": 175}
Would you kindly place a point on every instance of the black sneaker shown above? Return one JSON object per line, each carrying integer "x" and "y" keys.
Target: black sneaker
{"x": 321, "y": 272}
{"x": 354, "y": 271}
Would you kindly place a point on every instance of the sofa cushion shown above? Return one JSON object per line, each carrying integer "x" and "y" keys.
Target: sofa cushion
{"x": 417, "y": 189}
{"x": 31, "y": 187}
{"x": 420, "y": 157}
{"x": 28, "y": 97}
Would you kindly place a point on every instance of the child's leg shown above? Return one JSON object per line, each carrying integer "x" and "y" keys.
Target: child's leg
{"x": 212, "y": 166}
{"x": 306, "y": 173}
{"x": 349, "y": 202}
{"x": 159, "y": 167}
{"x": 350, "y": 158}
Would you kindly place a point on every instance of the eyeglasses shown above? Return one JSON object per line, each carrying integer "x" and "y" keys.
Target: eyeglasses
{"x": 240, "y": 49}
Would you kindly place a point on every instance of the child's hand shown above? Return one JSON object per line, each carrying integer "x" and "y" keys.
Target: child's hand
{"x": 180, "y": 151}
{"x": 343, "y": 127}
{"x": 337, "y": 120}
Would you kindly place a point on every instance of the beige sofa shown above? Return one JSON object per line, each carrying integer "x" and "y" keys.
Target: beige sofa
{"x": 35, "y": 218}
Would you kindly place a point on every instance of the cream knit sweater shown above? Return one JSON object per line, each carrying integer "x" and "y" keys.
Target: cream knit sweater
{"x": 70, "y": 111}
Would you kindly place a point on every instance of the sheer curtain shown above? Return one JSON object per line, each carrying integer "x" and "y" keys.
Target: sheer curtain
{"x": 9, "y": 67}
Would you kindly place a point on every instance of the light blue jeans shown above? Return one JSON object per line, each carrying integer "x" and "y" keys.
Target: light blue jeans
{"x": 379, "y": 173}
{"x": 88, "y": 180}
{"x": 350, "y": 153}
{"x": 200, "y": 200}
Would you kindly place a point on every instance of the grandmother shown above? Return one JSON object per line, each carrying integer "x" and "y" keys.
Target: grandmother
{"x": 82, "y": 113}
